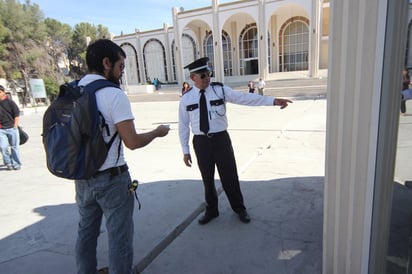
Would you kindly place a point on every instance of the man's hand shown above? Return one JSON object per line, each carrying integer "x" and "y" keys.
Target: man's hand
{"x": 282, "y": 102}
{"x": 162, "y": 130}
{"x": 187, "y": 159}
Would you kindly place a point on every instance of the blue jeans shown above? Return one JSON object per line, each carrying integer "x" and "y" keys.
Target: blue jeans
{"x": 9, "y": 146}
{"x": 108, "y": 195}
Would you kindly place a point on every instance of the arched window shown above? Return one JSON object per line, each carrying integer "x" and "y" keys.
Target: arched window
{"x": 155, "y": 60}
{"x": 226, "y": 51}
{"x": 208, "y": 49}
{"x": 227, "y": 54}
{"x": 295, "y": 46}
{"x": 189, "y": 50}
{"x": 248, "y": 50}
{"x": 131, "y": 74}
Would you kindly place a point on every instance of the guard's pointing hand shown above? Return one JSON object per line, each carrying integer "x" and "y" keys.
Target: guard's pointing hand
{"x": 282, "y": 102}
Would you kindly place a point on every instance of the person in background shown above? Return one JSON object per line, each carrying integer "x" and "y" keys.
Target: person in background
{"x": 261, "y": 86}
{"x": 108, "y": 192}
{"x": 9, "y": 133}
{"x": 203, "y": 109}
{"x": 251, "y": 87}
{"x": 406, "y": 80}
{"x": 155, "y": 83}
{"x": 185, "y": 88}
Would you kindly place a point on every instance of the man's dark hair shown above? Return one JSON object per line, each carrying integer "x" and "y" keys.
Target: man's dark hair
{"x": 99, "y": 50}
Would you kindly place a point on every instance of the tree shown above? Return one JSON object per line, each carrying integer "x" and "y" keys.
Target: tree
{"x": 34, "y": 47}
{"x": 52, "y": 87}
{"x": 103, "y": 32}
{"x": 83, "y": 34}
{"x": 59, "y": 39}
{"x": 24, "y": 37}
{"x": 3, "y": 50}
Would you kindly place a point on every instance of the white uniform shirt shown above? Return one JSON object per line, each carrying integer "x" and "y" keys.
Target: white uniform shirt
{"x": 114, "y": 105}
{"x": 216, "y": 105}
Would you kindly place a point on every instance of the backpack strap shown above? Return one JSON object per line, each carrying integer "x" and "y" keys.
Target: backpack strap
{"x": 109, "y": 144}
{"x": 99, "y": 84}
{"x": 94, "y": 87}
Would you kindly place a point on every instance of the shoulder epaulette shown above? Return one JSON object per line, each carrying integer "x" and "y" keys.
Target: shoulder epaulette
{"x": 187, "y": 91}
{"x": 216, "y": 84}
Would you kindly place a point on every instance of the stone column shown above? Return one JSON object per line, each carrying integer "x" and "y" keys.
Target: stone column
{"x": 274, "y": 47}
{"x": 263, "y": 42}
{"x": 314, "y": 38}
{"x": 178, "y": 49}
{"x": 168, "y": 54}
{"x": 235, "y": 48}
{"x": 217, "y": 44}
{"x": 140, "y": 63}
{"x": 365, "y": 64}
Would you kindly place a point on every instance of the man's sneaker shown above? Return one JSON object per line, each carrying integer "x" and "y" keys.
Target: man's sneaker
{"x": 9, "y": 168}
{"x": 16, "y": 168}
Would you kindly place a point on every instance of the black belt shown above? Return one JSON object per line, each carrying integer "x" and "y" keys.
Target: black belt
{"x": 211, "y": 135}
{"x": 113, "y": 171}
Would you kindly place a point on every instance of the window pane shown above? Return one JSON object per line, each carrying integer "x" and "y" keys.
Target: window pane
{"x": 296, "y": 46}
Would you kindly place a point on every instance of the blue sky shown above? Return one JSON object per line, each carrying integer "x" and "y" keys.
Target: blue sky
{"x": 120, "y": 15}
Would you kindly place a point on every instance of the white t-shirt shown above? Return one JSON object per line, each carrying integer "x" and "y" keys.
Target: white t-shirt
{"x": 114, "y": 105}
{"x": 261, "y": 84}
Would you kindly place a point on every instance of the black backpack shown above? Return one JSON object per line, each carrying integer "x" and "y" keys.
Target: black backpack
{"x": 72, "y": 131}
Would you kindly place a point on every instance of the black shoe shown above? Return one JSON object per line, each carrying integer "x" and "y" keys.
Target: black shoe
{"x": 207, "y": 218}
{"x": 104, "y": 270}
{"x": 244, "y": 217}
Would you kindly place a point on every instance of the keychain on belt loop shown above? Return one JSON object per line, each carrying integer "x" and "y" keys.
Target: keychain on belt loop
{"x": 133, "y": 188}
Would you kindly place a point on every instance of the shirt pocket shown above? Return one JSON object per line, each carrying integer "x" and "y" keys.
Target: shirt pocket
{"x": 191, "y": 107}
{"x": 193, "y": 111}
{"x": 217, "y": 107}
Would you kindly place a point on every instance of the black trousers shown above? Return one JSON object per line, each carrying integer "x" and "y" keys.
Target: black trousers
{"x": 212, "y": 151}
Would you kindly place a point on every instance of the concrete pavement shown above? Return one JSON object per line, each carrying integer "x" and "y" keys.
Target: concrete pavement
{"x": 280, "y": 157}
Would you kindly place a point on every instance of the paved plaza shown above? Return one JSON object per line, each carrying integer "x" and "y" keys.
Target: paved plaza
{"x": 280, "y": 157}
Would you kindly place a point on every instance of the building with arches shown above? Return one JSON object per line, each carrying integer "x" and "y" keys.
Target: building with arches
{"x": 244, "y": 40}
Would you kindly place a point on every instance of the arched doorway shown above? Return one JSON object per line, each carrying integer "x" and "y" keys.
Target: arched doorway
{"x": 131, "y": 74}
{"x": 294, "y": 45}
{"x": 155, "y": 60}
{"x": 226, "y": 50}
{"x": 248, "y": 50}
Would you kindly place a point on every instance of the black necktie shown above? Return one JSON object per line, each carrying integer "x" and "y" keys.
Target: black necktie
{"x": 204, "y": 120}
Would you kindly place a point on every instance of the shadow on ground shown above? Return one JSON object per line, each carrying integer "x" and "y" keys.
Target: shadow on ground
{"x": 285, "y": 232}
{"x": 398, "y": 257}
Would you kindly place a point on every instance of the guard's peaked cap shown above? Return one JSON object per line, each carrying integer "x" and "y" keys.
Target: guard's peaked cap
{"x": 199, "y": 65}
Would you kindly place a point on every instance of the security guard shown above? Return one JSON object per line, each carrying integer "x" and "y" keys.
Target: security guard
{"x": 203, "y": 108}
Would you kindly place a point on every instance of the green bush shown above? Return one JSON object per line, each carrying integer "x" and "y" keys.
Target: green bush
{"x": 52, "y": 87}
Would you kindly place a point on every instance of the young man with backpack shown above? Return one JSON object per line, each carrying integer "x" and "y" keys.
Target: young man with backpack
{"x": 107, "y": 192}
